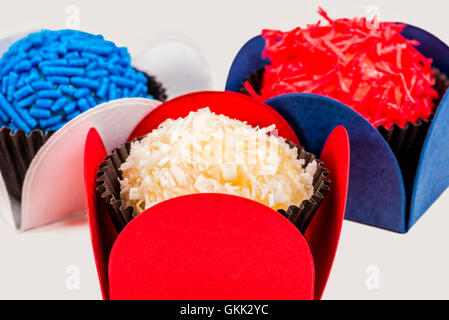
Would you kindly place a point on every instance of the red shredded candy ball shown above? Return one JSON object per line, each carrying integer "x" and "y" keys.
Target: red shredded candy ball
{"x": 368, "y": 66}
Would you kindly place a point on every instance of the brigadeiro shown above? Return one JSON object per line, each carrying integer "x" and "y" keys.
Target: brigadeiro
{"x": 367, "y": 65}
{"x": 50, "y": 77}
{"x": 210, "y": 153}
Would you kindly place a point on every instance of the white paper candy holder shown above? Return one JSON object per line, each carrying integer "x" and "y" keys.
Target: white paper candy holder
{"x": 53, "y": 185}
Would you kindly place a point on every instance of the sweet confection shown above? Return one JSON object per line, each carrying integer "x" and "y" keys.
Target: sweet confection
{"x": 367, "y": 65}
{"x": 385, "y": 82}
{"x": 210, "y": 239}
{"x": 50, "y": 77}
{"x": 209, "y": 153}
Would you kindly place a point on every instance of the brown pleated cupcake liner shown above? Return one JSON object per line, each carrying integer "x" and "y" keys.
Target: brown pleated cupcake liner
{"x": 302, "y": 215}
{"x": 255, "y": 80}
{"x": 406, "y": 143}
{"x": 108, "y": 189}
{"x": 18, "y": 149}
{"x": 155, "y": 88}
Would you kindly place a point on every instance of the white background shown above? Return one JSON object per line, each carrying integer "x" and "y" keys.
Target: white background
{"x": 38, "y": 263}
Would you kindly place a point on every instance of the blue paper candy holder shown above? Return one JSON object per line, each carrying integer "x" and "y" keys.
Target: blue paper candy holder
{"x": 377, "y": 195}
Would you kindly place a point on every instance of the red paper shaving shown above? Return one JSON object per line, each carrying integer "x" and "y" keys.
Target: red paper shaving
{"x": 369, "y": 66}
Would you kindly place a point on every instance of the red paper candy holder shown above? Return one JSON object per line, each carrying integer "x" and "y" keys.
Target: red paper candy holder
{"x": 217, "y": 246}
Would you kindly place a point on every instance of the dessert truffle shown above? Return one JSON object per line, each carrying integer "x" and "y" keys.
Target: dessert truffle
{"x": 367, "y": 65}
{"x": 205, "y": 152}
{"x": 50, "y": 77}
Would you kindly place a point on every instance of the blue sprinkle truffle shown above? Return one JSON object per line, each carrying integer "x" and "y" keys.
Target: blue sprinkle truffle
{"x": 50, "y": 77}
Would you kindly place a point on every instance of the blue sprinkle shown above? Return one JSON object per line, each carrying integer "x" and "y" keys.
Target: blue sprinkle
{"x": 85, "y": 82}
{"x": 73, "y": 115}
{"x": 123, "y": 82}
{"x": 112, "y": 92}
{"x": 89, "y": 55}
{"x": 45, "y": 123}
{"x": 100, "y": 50}
{"x": 123, "y": 62}
{"x": 72, "y": 55}
{"x": 6, "y": 69}
{"x": 33, "y": 75}
{"x": 23, "y": 65}
{"x": 81, "y": 93}
{"x": 53, "y": 63}
{"x": 129, "y": 73}
{"x": 91, "y": 101}
{"x": 56, "y": 48}
{"x": 44, "y": 103}
{"x": 40, "y": 113}
{"x": 102, "y": 91}
{"x": 126, "y": 93}
{"x": 12, "y": 82}
{"x": 142, "y": 77}
{"x": 118, "y": 93}
{"x": 62, "y": 71}
{"x": 83, "y": 105}
{"x": 9, "y": 110}
{"x": 123, "y": 51}
{"x": 23, "y": 92}
{"x": 21, "y": 82}
{"x": 102, "y": 64}
{"x": 138, "y": 88}
{"x": 28, "y": 118}
{"x": 76, "y": 46}
{"x": 78, "y": 62}
{"x": 56, "y": 127}
{"x": 59, "y": 79}
{"x": 113, "y": 69}
{"x": 97, "y": 73}
{"x": 67, "y": 90}
{"x": 93, "y": 65}
{"x": 52, "y": 55}
{"x": 36, "y": 60}
{"x": 61, "y": 49}
{"x": 5, "y": 81}
{"x": 33, "y": 53}
{"x": 4, "y": 117}
{"x": 55, "y": 93}
{"x": 59, "y": 104}
{"x": 42, "y": 85}
{"x": 26, "y": 102}
{"x": 70, "y": 107}
{"x": 115, "y": 58}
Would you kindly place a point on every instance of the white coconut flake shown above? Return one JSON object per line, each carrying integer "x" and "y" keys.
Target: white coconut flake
{"x": 206, "y": 152}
